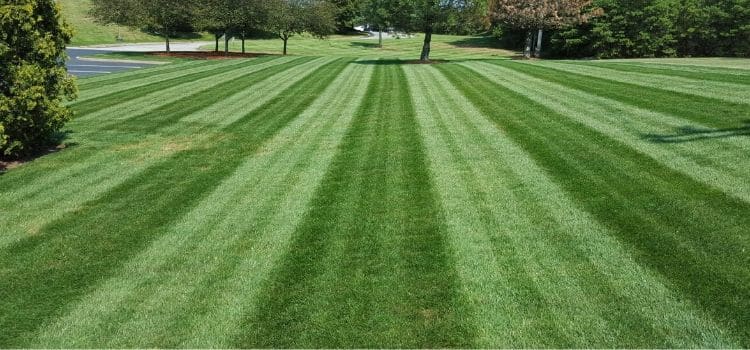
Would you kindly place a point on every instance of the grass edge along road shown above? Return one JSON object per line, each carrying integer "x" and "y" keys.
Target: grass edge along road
{"x": 475, "y": 203}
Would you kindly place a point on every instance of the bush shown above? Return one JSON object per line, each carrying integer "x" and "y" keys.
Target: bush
{"x": 33, "y": 78}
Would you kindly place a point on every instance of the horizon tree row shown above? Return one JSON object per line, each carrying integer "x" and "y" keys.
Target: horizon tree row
{"x": 222, "y": 18}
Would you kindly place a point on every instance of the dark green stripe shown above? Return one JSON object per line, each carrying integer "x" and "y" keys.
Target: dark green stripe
{"x": 89, "y": 106}
{"x": 705, "y": 110}
{"x": 368, "y": 266}
{"x": 525, "y": 290}
{"x": 656, "y": 71}
{"x": 661, "y": 213}
{"x": 195, "y": 101}
{"x": 43, "y": 274}
{"x": 117, "y": 78}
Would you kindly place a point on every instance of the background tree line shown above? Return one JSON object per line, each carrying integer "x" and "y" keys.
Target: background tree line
{"x": 639, "y": 28}
{"x": 223, "y": 18}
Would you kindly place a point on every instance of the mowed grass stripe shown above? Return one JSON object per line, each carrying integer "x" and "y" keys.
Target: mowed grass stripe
{"x": 664, "y": 64}
{"x": 194, "y": 299}
{"x": 103, "y": 80}
{"x": 44, "y": 273}
{"x": 538, "y": 271}
{"x": 714, "y": 163}
{"x": 233, "y": 106}
{"x": 736, "y": 77}
{"x": 701, "y": 247}
{"x": 98, "y": 169}
{"x": 368, "y": 266}
{"x": 143, "y": 83}
{"x": 142, "y": 104}
{"x": 730, "y": 92}
{"x": 219, "y": 101}
{"x": 710, "y": 112}
{"x": 60, "y": 184}
{"x": 695, "y": 62}
{"x": 110, "y": 96}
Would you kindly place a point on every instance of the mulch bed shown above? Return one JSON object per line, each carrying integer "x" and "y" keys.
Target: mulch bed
{"x": 7, "y": 164}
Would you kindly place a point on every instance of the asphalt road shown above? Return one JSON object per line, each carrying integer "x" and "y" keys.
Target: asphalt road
{"x": 83, "y": 68}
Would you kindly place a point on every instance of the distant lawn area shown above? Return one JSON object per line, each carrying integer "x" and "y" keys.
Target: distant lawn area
{"x": 408, "y": 48}
{"x": 88, "y": 32}
{"x": 328, "y": 200}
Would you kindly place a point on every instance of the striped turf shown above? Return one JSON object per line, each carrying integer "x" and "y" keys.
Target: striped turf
{"x": 334, "y": 202}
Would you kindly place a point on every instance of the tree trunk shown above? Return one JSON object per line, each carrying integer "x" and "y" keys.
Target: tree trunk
{"x": 425, "y": 56}
{"x": 285, "y": 40}
{"x": 243, "y": 42}
{"x": 529, "y": 41}
{"x": 380, "y": 37}
{"x": 217, "y": 36}
{"x": 226, "y": 43}
{"x": 166, "y": 37}
{"x": 538, "y": 49}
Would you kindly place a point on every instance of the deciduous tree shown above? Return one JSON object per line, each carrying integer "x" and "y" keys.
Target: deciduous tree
{"x": 287, "y": 18}
{"x": 422, "y": 16}
{"x": 165, "y": 17}
{"x": 378, "y": 13}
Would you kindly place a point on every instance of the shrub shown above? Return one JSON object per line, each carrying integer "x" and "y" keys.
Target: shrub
{"x": 33, "y": 78}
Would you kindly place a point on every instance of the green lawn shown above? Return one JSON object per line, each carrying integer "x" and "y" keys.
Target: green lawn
{"x": 443, "y": 46}
{"x": 354, "y": 202}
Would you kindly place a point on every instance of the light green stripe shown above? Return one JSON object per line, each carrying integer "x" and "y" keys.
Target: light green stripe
{"x": 144, "y": 104}
{"x": 104, "y": 77}
{"x": 239, "y": 104}
{"x": 708, "y": 62}
{"x": 722, "y": 91}
{"x": 501, "y": 169}
{"x": 64, "y": 190}
{"x": 628, "y": 124}
{"x": 108, "y": 89}
{"x": 237, "y": 210}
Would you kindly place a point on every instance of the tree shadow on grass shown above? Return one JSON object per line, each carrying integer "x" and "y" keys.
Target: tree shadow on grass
{"x": 691, "y": 133}
{"x": 388, "y": 62}
{"x": 478, "y": 42}
{"x": 57, "y": 144}
{"x": 366, "y": 45}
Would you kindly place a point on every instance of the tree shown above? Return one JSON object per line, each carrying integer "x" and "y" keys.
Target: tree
{"x": 210, "y": 16}
{"x": 377, "y": 12}
{"x": 165, "y": 17}
{"x": 287, "y": 18}
{"x": 637, "y": 28}
{"x": 249, "y": 17}
{"x": 538, "y": 15}
{"x": 229, "y": 18}
{"x": 421, "y": 15}
{"x": 33, "y": 78}
{"x": 347, "y": 11}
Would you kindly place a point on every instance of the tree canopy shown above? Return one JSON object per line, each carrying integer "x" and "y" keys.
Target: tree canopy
{"x": 287, "y": 18}
{"x": 164, "y": 17}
